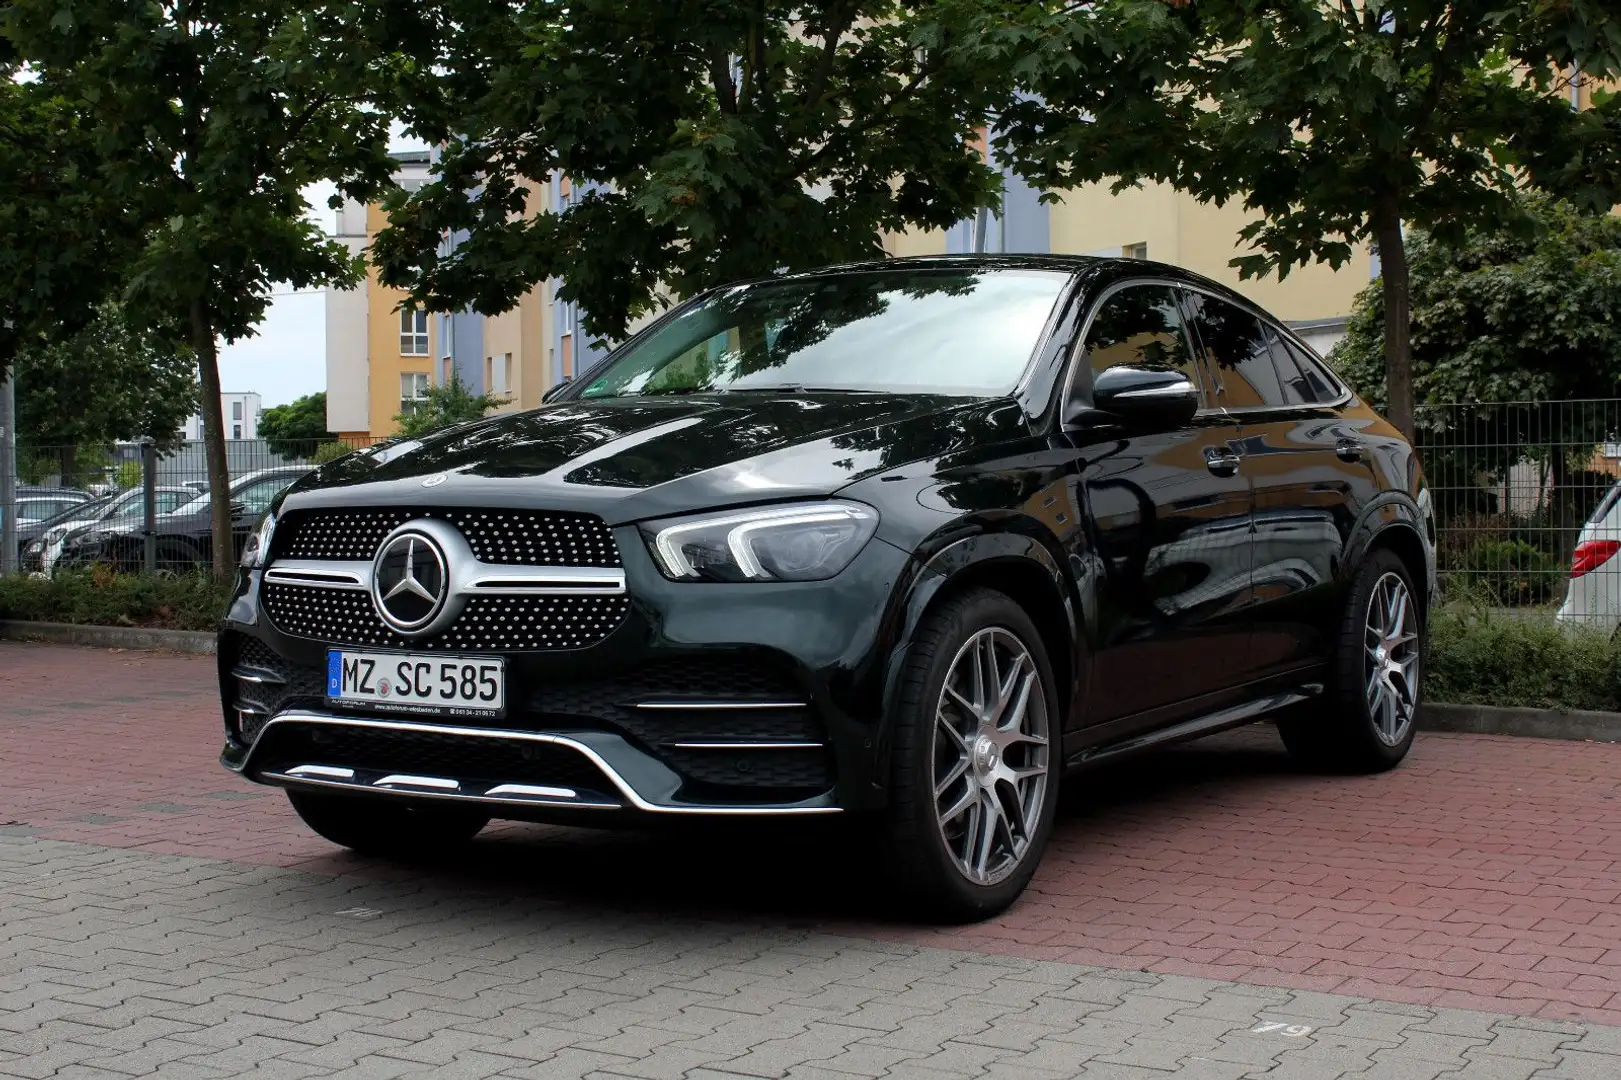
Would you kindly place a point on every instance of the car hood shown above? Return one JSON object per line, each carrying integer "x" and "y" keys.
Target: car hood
{"x": 634, "y": 458}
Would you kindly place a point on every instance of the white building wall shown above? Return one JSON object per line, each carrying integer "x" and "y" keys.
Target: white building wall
{"x": 348, "y": 390}
{"x": 240, "y": 411}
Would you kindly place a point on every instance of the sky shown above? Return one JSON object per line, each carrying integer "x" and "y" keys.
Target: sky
{"x": 286, "y": 359}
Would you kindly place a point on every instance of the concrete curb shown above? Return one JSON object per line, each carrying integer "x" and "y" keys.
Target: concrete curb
{"x": 109, "y": 637}
{"x": 1575, "y": 724}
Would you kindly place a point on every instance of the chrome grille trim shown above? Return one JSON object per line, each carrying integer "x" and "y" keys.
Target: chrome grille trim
{"x": 326, "y": 575}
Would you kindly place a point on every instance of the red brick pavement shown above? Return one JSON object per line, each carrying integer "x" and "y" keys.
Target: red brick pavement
{"x": 1485, "y": 873}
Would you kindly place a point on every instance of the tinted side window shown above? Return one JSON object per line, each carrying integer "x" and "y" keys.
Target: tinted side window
{"x": 1323, "y": 386}
{"x": 1140, "y": 326}
{"x": 1297, "y": 390}
{"x": 1239, "y": 357}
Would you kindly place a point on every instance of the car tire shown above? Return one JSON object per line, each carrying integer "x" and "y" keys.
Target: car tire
{"x": 1376, "y": 680}
{"x": 1003, "y": 761}
{"x": 386, "y": 826}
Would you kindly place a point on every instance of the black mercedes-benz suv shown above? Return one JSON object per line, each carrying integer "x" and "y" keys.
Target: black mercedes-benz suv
{"x": 911, "y": 540}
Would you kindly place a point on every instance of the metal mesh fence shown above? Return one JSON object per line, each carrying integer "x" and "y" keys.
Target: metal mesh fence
{"x": 86, "y": 506}
{"x": 1515, "y": 486}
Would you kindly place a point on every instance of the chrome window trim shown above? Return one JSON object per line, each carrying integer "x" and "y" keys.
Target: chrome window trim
{"x": 1077, "y": 348}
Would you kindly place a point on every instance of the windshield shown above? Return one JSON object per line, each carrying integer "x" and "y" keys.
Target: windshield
{"x": 957, "y": 332}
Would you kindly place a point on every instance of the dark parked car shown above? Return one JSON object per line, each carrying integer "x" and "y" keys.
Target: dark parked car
{"x": 185, "y": 534}
{"x": 42, "y": 542}
{"x": 913, "y": 540}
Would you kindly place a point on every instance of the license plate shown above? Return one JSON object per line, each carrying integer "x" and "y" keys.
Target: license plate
{"x": 413, "y": 682}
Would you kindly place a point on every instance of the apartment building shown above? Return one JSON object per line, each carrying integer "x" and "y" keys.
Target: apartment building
{"x": 240, "y": 411}
{"x": 382, "y": 356}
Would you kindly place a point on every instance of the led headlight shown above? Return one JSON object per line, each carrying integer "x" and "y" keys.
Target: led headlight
{"x": 258, "y": 545}
{"x": 795, "y": 542}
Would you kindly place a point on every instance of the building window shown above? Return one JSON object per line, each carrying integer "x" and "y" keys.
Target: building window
{"x": 498, "y": 374}
{"x": 568, "y": 356}
{"x": 236, "y": 410}
{"x": 413, "y": 332}
{"x": 413, "y": 388}
{"x": 1135, "y": 251}
{"x": 236, "y": 431}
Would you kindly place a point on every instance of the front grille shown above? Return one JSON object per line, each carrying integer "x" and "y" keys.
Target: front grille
{"x": 487, "y": 624}
{"x": 459, "y": 757}
{"x": 504, "y": 537}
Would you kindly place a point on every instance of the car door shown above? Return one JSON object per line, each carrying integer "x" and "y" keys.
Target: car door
{"x": 1306, "y": 467}
{"x": 1168, "y": 513}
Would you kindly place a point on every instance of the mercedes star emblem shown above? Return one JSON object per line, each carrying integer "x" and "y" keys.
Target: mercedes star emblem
{"x": 435, "y": 480}
{"x": 409, "y": 581}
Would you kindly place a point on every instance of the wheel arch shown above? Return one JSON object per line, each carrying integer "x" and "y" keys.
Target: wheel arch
{"x": 1394, "y": 523}
{"x": 1017, "y": 565}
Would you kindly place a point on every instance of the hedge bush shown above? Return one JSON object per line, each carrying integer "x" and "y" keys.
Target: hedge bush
{"x": 1477, "y": 658}
{"x": 101, "y": 598}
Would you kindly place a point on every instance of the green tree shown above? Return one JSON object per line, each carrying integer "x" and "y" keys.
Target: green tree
{"x": 108, "y": 382}
{"x": 704, "y": 142}
{"x": 297, "y": 429}
{"x": 443, "y": 406}
{"x": 62, "y": 238}
{"x": 209, "y": 118}
{"x": 1510, "y": 332}
{"x": 1335, "y": 121}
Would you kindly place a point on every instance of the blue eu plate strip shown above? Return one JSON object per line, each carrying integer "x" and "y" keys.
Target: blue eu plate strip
{"x": 334, "y": 671}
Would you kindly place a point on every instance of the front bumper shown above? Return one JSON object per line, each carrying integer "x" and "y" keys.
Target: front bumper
{"x": 610, "y": 773}
{"x": 721, "y": 700}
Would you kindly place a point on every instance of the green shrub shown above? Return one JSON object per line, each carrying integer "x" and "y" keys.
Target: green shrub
{"x": 1479, "y": 659}
{"x": 329, "y": 451}
{"x": 128, "y": 475}
{"x": 1507, "y": 573}
{"x": 100, "y": 598}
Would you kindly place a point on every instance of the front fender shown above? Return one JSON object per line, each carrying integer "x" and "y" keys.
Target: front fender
{"x": 988, "y": 558}
{"x": 1393, "y": 510}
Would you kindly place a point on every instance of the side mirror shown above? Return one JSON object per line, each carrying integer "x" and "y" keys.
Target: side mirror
{"x": 1153, "y": 399}
{"x": 239, "y": 510}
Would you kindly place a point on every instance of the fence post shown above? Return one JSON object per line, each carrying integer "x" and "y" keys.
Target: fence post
{"x": 8, "y": 472}
{"x": 149, "y": 481}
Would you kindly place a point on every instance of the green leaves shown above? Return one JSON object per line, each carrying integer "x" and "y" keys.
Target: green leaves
{"x": 705, "y": 142}
{"x": 294, "y": 430}
{"x": 444, "y": 405}
{"x": 1518, "y": 322}
{"x": 109, "y": 381}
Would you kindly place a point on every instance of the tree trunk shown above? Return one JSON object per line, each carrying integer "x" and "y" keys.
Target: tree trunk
{"x": 1393, "y": 275}
{"x": 219, "y": 468}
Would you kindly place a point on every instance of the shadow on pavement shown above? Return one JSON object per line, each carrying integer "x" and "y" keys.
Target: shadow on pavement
{"x": 823, "y": 870}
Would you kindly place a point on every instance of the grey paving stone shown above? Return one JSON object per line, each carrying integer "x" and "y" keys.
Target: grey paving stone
{"x": 188, "y": 968}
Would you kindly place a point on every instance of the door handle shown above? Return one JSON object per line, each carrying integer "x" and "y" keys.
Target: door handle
{"x": 1348, "y": 450}
{"x": 1220, "y": 461}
